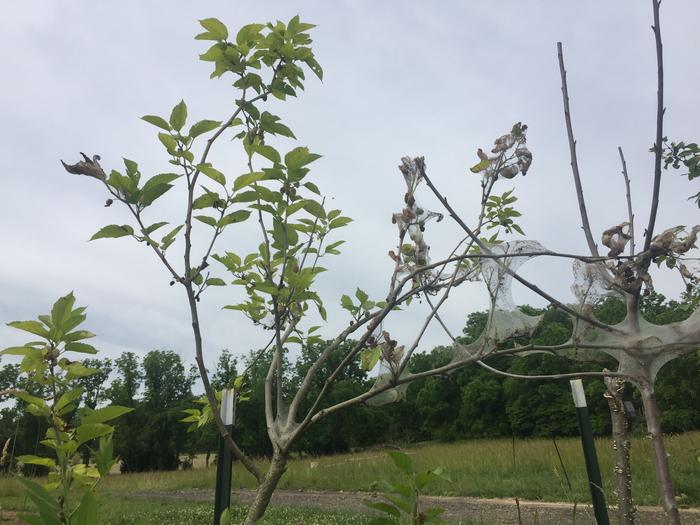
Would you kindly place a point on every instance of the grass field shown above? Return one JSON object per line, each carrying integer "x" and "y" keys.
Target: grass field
{"x": 124, "y": 510}
{"x": 478, "y": 468}
{"x": 485, "y": 468}
{"x": 129, "y": 511}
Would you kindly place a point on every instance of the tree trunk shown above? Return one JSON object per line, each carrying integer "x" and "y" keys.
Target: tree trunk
{"x": 621, "y": 450}
{"x": 663, "y": 471}
{"x": 278, "y": 467}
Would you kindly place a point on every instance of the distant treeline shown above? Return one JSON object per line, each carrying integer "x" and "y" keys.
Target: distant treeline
{"x": 470, "y": 403}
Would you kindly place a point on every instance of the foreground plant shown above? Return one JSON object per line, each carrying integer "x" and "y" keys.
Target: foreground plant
{"x": 69, "y": 496}
{"x": 402, "y": 505}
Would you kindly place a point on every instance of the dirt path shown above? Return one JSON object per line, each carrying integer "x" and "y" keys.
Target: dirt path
{"x": 491, "y": 511}
{"x": 8, "y": 517}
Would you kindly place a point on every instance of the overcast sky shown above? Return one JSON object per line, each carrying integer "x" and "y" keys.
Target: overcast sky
{"x": 438, "y": 79}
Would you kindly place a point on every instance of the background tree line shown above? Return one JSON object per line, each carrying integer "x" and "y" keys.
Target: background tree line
{"x": 471, "y": 403}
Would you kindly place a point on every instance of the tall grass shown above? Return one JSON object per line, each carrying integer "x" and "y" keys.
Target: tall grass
{"x": 482, "y": 468}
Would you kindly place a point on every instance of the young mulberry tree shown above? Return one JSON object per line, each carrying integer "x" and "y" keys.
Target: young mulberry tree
{"x": 276, "y": 201}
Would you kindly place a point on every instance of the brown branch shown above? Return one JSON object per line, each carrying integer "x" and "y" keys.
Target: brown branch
{"x": 660, "y": 110}
{"x": 237, "y": 452}
{"x": 422, "y": 375}
{"x": 630, "y": 212}
{"x": 574, "y": 160}
{"x": 571, "y": 375}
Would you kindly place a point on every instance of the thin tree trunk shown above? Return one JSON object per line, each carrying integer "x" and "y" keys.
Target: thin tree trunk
{"x": 621, "y": 450}
{"x": 278, "y": 467}
{"x": 663, "y": 471}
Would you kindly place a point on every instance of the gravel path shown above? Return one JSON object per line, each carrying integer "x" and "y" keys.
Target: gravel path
{"x": 492, "y": 511}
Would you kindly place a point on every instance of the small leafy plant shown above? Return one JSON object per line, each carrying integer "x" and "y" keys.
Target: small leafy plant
{"x": 68, "y": 497}
{"x": 402, "y": 505}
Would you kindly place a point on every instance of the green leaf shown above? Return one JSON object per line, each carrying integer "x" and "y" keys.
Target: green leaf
{"x": 159, "y": 180}
{"x": 369, "y": 357}
{"x": 154, "y": 227}
{"x": 61, "y": 310}
{"x": 169, "y": 238}
{"x": 157, "y": 121}
{"x": 481, "y": 166}
{"x": 104, "y": 455}
{"x": 28, "y": 398}
{"x": 101, "y": 415}
{"x": 33, "y": 327}
{"x": 211, "y": 221}
{"x": 212, "y": 173}
{"x": 225, "y": 518}
{"x": 83, "y": 348}
{"x": 77, "y": 336}
{"x": 203, "y": 126}
{"x": 207, "y": 200}
{"x": 247, "y": 179}
{"x": 346, "y": 303}
{"x": 315, "y": 209}
{"x": 235, "y": 217}
{"x": 178, "y": 116}
{"x": 268, "y": 152}
{"x": 87, "y": 511}
{"x": 168, "y": 141}
{"x": 215, "y": 281}
{"x": 332, "y": 248}
{"x": 339, "y": 222}
{"x": 113, "y": 231}
{"x": 17, "y": 350}
{"x": 271, "y": 124}
{"x": 315, "y": 67}
{"x": 402, "y": 461}
{"x": 248, "y": 33}
{"x": 383, "y": 507}
{"x": 299, "y": 157}
{"x": 30, "y": 459}
{"x": 312, "y": 187}
{"x": 442, "y": 474}
{"x": 78, "y": 369}
{"x": 68, "y": 397}
{"x": 45, "y": 502}
{"x": 216, "y": 30}
{"x": 89, "y": 431}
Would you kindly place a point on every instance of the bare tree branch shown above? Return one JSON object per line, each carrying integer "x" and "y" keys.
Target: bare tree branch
{"x": 660, "y": 110}
{"x": 630, "y": 212}
{"x": 571, "y": 375}
{"x": 574, "y": 159}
